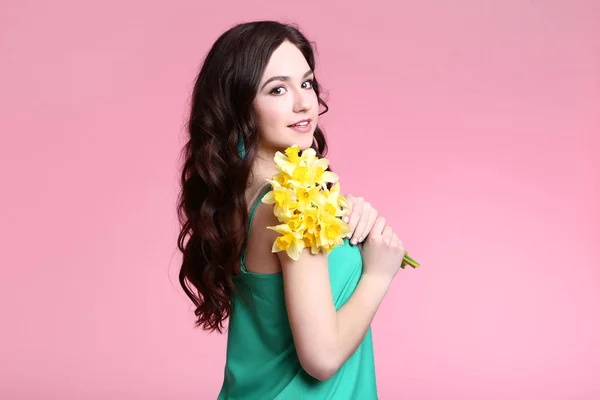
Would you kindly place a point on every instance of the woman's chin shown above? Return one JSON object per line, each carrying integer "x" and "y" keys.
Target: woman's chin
{"x": 305, "y": 142}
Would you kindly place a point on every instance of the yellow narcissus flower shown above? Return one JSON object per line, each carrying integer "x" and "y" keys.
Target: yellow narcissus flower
{"x": 309, "y": 196}
{"x": 333, "y": 201}
{"x": 286, "y": 163}
{"x": 305, "y": 170}
{"x": 310, "y": 242}
{"x": 331, "y": 231}
{"x": 282, "y": 179}
{"x": 296, "y": 222}
{"x": 322, "y": 177}
{"x": 317, "y": 168}
{"x": 289, "y": 241}
{"x": 311, "y": 220}
{"x": 284, "y": 198}
{"x": 310, "y": 212}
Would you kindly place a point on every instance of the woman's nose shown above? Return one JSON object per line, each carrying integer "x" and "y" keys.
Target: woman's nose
{"x": 302, "y": 102}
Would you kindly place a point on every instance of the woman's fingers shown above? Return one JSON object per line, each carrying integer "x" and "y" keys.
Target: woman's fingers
{"x": 355, "y": 214}
{"x": 378, "y": 228}
{"x": 361, "y": 217}
{"x": 363, "y": 223}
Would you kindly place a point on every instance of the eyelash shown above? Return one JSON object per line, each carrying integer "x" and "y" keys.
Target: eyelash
{"x": 279, "y": 87}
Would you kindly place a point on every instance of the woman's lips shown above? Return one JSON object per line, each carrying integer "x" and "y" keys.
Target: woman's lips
{"x": 302, "y": 128}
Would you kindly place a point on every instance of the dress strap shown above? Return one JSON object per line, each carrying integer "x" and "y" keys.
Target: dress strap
{"x": 250, "y": 218}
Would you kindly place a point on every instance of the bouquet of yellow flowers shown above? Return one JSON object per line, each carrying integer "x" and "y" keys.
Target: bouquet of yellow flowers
{"x": 309, "y": 212}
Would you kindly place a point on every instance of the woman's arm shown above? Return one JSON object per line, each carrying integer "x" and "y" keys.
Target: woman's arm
{"x": 326, "y": 338}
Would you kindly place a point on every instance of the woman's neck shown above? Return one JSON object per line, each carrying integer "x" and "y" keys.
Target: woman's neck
{"x": 263, "y": 169}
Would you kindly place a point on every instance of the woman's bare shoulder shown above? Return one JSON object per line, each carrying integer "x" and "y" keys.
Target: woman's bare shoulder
{"x": 259, "y": 257}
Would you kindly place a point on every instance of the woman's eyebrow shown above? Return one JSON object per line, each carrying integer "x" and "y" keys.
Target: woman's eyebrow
{"x": 284, "y": 78}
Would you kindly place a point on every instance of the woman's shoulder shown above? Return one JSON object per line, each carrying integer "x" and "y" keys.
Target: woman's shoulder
{"x": 259, "y": 257}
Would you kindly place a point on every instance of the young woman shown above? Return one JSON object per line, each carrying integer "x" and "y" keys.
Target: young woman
{"x": 296, "y": 329}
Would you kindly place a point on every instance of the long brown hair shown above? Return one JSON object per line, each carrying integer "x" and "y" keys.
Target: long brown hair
{"x": 212, "y": 205}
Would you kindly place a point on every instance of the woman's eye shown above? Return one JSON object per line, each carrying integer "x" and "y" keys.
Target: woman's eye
{"x": 277, "y": 90}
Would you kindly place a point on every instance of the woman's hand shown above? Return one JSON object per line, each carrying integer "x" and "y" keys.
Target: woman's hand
{"x": 361, "y": 217}
{"x": 382, "y": 253}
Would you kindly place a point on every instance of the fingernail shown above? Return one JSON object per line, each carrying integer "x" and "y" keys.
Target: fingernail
{"x": 353, "y": 241}
{"x": 345, "y": 219}
{"x": 361, "y": 239}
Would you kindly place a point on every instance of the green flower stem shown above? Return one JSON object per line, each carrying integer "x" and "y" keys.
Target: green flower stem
{"x": 409, "y": 261}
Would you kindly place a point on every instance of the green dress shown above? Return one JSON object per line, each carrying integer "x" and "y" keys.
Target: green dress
{"x": 262, "y": 363}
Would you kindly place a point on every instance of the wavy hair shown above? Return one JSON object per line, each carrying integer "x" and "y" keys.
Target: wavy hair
{"x": 212, "y": 207}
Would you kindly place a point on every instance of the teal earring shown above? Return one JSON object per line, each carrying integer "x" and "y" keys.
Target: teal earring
{"x": 241, "y": 147}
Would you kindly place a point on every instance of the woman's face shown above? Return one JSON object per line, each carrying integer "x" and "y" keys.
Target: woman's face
{"x": 285, "y": 97}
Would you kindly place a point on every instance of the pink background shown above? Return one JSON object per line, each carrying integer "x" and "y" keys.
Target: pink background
{"x": 482, "y": 119}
